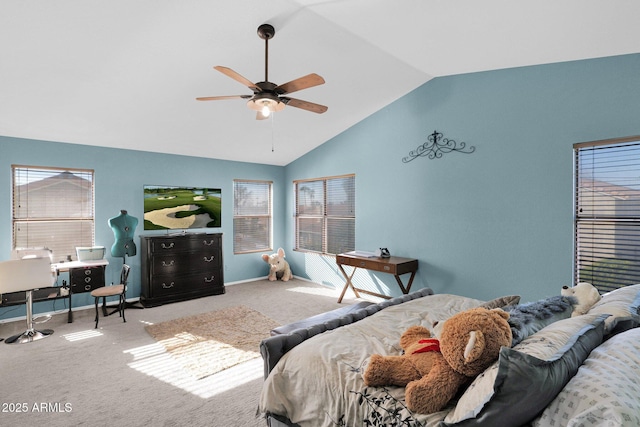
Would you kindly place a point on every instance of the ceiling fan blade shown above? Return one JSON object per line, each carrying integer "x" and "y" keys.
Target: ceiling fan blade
{"x": 237, "y": 77}
{"x": 305, "y": 82}
{"x": 217, "y": 98}
{"x": 305, "y": 105}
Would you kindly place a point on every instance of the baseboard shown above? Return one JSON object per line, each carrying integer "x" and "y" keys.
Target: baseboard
{"x": 62, "y": 311}
{"x": 304, "y": 279}
{"x": 245, "y": 281}
{"x": 92, "y": 307}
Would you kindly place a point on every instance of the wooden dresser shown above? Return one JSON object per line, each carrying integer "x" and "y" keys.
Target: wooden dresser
{"x": 181, "y": 267}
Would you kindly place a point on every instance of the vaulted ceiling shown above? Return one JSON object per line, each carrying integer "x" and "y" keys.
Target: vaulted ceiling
{"x": 125, "y": 74}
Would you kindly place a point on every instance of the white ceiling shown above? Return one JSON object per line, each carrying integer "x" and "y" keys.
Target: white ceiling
{"x": 125, "y": 74}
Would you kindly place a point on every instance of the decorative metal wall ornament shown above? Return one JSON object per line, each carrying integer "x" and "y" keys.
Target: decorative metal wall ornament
{"x": 436, "y": 146}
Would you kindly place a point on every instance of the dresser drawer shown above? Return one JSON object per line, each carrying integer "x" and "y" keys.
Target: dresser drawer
{"x": 376, "y": 265}
{"x": 182, "y": 244}
{"x": 86, "y": 279}
{"x": 185, "y": 263}
{"x": 169, "y": 285}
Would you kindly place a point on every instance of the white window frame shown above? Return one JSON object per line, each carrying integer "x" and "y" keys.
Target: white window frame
{"x": 607, "y": 213}
{"x": 53, "y": 207}
{"x": 325, "y": 217}
{"x": 252, "y": 216}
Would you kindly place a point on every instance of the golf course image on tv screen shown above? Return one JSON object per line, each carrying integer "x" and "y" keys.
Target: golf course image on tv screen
{"x": 169, "y": 208}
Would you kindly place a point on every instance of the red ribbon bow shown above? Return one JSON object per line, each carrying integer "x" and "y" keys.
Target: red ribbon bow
{"x": 432, "y": 344}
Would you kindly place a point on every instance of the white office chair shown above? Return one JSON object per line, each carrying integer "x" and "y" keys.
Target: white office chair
{"x": 40, "y": 252}
{"x": 26, "y": 275}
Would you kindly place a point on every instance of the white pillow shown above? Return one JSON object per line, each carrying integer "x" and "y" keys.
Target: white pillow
{"x": 623, "y": 305}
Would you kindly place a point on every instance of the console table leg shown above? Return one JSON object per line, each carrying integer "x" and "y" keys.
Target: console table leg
{"x": 348, "y": 284}
{"x": 408, "y": 288}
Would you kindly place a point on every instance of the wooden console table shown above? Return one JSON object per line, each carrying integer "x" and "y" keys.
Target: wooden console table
{"x": 393, "y": 265}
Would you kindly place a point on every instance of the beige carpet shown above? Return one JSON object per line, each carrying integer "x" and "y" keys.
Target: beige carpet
{"x": 208, "y": 343}
{"x": 120, "y": 362}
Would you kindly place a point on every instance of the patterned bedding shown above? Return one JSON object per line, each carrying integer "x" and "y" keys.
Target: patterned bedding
{"x": 577, "y": 372}
{"x": 334, "y": 395}
{"x": 605, "y": 391}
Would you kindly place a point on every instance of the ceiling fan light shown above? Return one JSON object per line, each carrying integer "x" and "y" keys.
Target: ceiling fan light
{"x": 264, "y": 102}
{"x": 266, "y": 111}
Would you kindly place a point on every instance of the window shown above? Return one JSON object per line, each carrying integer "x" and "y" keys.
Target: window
{"x": 251, "y": 216}
{"x": 53, "y": 208}
{"x": 607, "y": 213}
{"x": 326, "y": 214}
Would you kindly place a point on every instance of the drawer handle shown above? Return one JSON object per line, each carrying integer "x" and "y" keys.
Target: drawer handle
{"x": 207, "y": 243}
{"x": 87, "y": 272}
{"x": 169, "y": 246}
{"x": 362, "y": 263}
{"x": 164, "y": 264}
{"x": 169, "y": 286}
{"x": 87, "y": 287}
{"x": 387, "y": 268}
{"x": 87, "y": 279}
{"x": 211, "y": 258}
{"x": 207, "y": 280}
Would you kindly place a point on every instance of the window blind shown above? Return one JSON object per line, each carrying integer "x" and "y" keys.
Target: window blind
{"x": 607, "y": 213}
{"x": 325, "y": 214}
{"x": 53, "y": 208}
{"x": 251, "y": 216}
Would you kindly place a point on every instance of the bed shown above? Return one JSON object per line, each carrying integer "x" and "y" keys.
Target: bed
{"x": 313, "y": 375}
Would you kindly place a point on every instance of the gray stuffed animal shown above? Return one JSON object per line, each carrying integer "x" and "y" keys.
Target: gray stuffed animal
{"x": 528, "y": 318}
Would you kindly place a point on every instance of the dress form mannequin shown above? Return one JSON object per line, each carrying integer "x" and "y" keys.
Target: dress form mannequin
{"x": 123, "y": 227}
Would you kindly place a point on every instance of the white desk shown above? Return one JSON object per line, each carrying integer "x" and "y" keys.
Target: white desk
{"x": 66, "y": 266}
{"x": 71, "y": 265}
{"x": 56, "y": 269}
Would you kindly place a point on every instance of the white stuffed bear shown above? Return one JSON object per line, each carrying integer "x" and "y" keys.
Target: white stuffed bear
{"x": 279, "y": 267}
{"x": 586, "y": 294}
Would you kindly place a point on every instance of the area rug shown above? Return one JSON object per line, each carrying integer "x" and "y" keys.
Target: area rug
{"x": 207, "y": 343}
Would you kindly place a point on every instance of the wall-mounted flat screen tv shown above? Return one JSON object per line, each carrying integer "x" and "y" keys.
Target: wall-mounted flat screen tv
{"x": 169, "y": 208}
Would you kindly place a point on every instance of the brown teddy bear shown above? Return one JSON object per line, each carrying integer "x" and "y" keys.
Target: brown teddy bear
{"x": 469, "y": 342}
{"x": 420, "y": 351}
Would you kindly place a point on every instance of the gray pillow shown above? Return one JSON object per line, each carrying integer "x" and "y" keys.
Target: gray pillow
{"x": 521, "y": 385}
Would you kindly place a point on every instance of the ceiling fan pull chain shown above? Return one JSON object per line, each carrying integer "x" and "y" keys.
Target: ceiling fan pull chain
{"x": 273, "y": 144}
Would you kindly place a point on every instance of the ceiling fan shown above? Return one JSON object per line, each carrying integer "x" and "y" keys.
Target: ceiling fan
{"x": 267, "y": 96}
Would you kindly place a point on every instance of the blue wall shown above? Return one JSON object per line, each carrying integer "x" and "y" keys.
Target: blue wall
{"x": 498, "y": 221}
{"x": 119, "y": 179}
